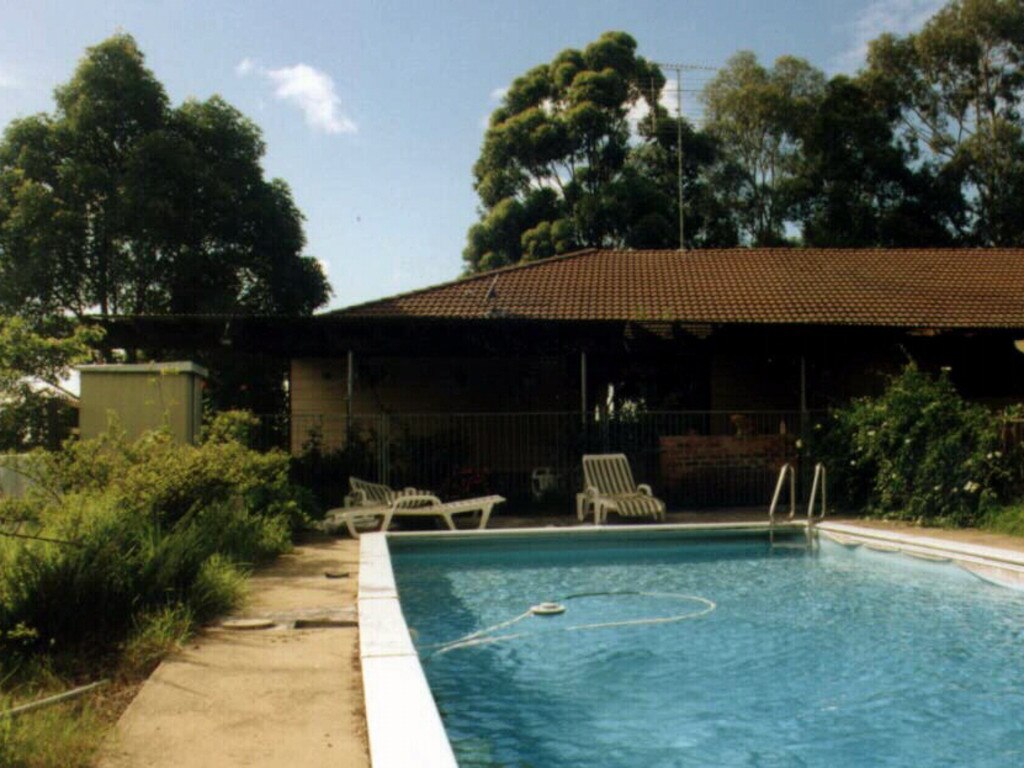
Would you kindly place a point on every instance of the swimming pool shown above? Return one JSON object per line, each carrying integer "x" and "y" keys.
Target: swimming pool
{"x": 840, "y": 657}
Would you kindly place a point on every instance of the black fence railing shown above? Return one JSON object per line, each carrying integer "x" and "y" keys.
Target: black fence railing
{"x": 693, "y": 458}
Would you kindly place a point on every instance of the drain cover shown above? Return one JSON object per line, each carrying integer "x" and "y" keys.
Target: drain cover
{"x": 247, "y": 624}
{"x": 324, "y": 623}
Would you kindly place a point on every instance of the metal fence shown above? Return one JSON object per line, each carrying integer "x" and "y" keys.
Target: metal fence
{"x": 693, "y": 458}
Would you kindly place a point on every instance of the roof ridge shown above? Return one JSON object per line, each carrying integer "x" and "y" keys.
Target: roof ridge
{"x": 491, "y": 273}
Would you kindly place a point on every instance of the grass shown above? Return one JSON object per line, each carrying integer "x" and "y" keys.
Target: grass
{"x": 1007, "y": 520}
{"x": 67, "y": 734}
{"x": 70, "y": 734}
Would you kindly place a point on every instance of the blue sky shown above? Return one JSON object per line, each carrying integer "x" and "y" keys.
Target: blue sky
{"x": 374, "y": 111}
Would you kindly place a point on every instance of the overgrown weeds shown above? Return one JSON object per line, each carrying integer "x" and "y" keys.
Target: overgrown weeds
{"x": 157, "y": 538}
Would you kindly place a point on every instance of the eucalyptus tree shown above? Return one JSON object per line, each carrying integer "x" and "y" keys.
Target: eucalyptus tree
{"x": 855, "y": 184}
{"x": 118, "y": 203}
{"x": 959, "y": 86}
{"x": 553, "y": 174}
{"x": 756, "y": 114}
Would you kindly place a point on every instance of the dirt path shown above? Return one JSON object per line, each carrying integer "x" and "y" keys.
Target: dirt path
{"x": 266, "y": 698}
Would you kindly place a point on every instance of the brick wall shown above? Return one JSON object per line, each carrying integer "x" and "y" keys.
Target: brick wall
{"x": 702, "y": 470}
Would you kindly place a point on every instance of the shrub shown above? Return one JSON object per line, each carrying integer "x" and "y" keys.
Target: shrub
{"x": 1008, "y": 519}
{"x": 218, "y": 587}
{"x": 154, "y": 526}
{"x": 918, "y": 452}
{"x": 154, "y": 634}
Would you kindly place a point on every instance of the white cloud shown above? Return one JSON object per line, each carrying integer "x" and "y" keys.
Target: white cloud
{"x": 667, "y": 99}
{"x": 313, "y": 92}
{"x": 880, "y": 16}
{"x": 309, "y": 89}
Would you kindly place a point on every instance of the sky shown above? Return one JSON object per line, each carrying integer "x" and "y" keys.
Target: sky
{"x": 374, "y": 111}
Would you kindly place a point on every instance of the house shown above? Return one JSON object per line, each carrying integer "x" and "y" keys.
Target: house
{"x": 704, "y": 365}
{"x": 717, "y": 354}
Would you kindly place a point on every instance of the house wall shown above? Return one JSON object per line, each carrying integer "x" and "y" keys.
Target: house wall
{"x": 750, "y": 381}
{"x": 422, "y": 385}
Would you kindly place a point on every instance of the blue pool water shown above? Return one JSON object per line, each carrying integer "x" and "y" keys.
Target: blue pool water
{"x": 840, "y": 658}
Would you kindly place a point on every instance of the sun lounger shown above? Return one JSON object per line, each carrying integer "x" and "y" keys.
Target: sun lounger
{"x": 363, "y": 493}
{"x": 609, "y": 487}
{"x": 359, "y": 519}
{"x": 367, "y": 503}
{"x": 430, "y": 506}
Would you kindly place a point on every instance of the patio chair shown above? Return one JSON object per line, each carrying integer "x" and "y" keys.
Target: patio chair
{"x": 428, "y": 505}
{"x": 366, "y": 504}
{"x": 371, "y": 504}
{"x": 363, "y": 493}
{"x": 609, "y": 487}
{"x": 358, "y": 520}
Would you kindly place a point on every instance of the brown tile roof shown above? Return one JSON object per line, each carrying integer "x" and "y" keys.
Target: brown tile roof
{"x": 934, "y": 288}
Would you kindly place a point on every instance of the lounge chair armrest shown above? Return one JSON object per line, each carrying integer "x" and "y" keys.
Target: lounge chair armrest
{"x": 356, "y": 498}
{"x": 645, "y": 489}
{"x": 591, "y": 492}
{"x": 416, "y": 500}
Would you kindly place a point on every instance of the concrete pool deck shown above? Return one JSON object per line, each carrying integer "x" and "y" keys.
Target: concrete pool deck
{"x": 294, "y": 697}
{"x": 275, "y": 697}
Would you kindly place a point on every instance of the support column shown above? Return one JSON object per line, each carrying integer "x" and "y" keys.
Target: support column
{"x": 583, "y": 388}
{"x": 803, "y": 385}
{"x": 350, "y": 376}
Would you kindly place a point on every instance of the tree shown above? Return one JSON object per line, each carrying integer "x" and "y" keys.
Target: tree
{"x": 582, "y": 154}
{"x": 118, "y": 204}
{"x": 959, "y": 86}
{"x": 552, "y": 175}
{"x": 756, "y": 114}
{"x": 853, "y": 185}
{"x": 33, "y": 362}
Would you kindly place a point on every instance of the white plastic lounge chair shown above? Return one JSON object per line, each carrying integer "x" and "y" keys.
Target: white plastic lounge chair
{"x": 609, "y": 487}
{"x": 427, "y": 505}
{"x": 366, "y": 505}
{"x": 369, "y": 504}
{"x": 363, "y": 493}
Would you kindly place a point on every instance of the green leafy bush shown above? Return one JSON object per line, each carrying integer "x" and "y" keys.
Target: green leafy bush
{"x": 918, "y": 452}
{"x": 152, "y": 524}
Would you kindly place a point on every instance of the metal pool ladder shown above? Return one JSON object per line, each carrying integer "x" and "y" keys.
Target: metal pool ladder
{"x": 786, "y": 472}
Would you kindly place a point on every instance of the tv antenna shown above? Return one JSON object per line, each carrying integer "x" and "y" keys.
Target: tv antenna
{"x": 679, "y": 69}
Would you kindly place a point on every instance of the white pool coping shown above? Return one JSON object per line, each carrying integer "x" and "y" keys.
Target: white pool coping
{"x": 1003, "y": 566}
{"x": 402, "y": 721}
{"x": 404, "y": 726}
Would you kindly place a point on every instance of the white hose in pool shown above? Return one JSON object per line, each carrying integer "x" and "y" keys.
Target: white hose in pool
{"x": 485, "y": 636}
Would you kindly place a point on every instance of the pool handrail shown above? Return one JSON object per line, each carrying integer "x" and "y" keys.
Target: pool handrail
{"x": 784, "y": 470}
{"x": 820, "y": 481}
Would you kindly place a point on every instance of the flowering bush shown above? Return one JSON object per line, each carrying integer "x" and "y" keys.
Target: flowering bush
{"x": 918, "y": 452}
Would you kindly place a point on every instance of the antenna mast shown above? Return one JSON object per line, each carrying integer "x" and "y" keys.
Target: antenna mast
{"x": 679, "y": 69}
